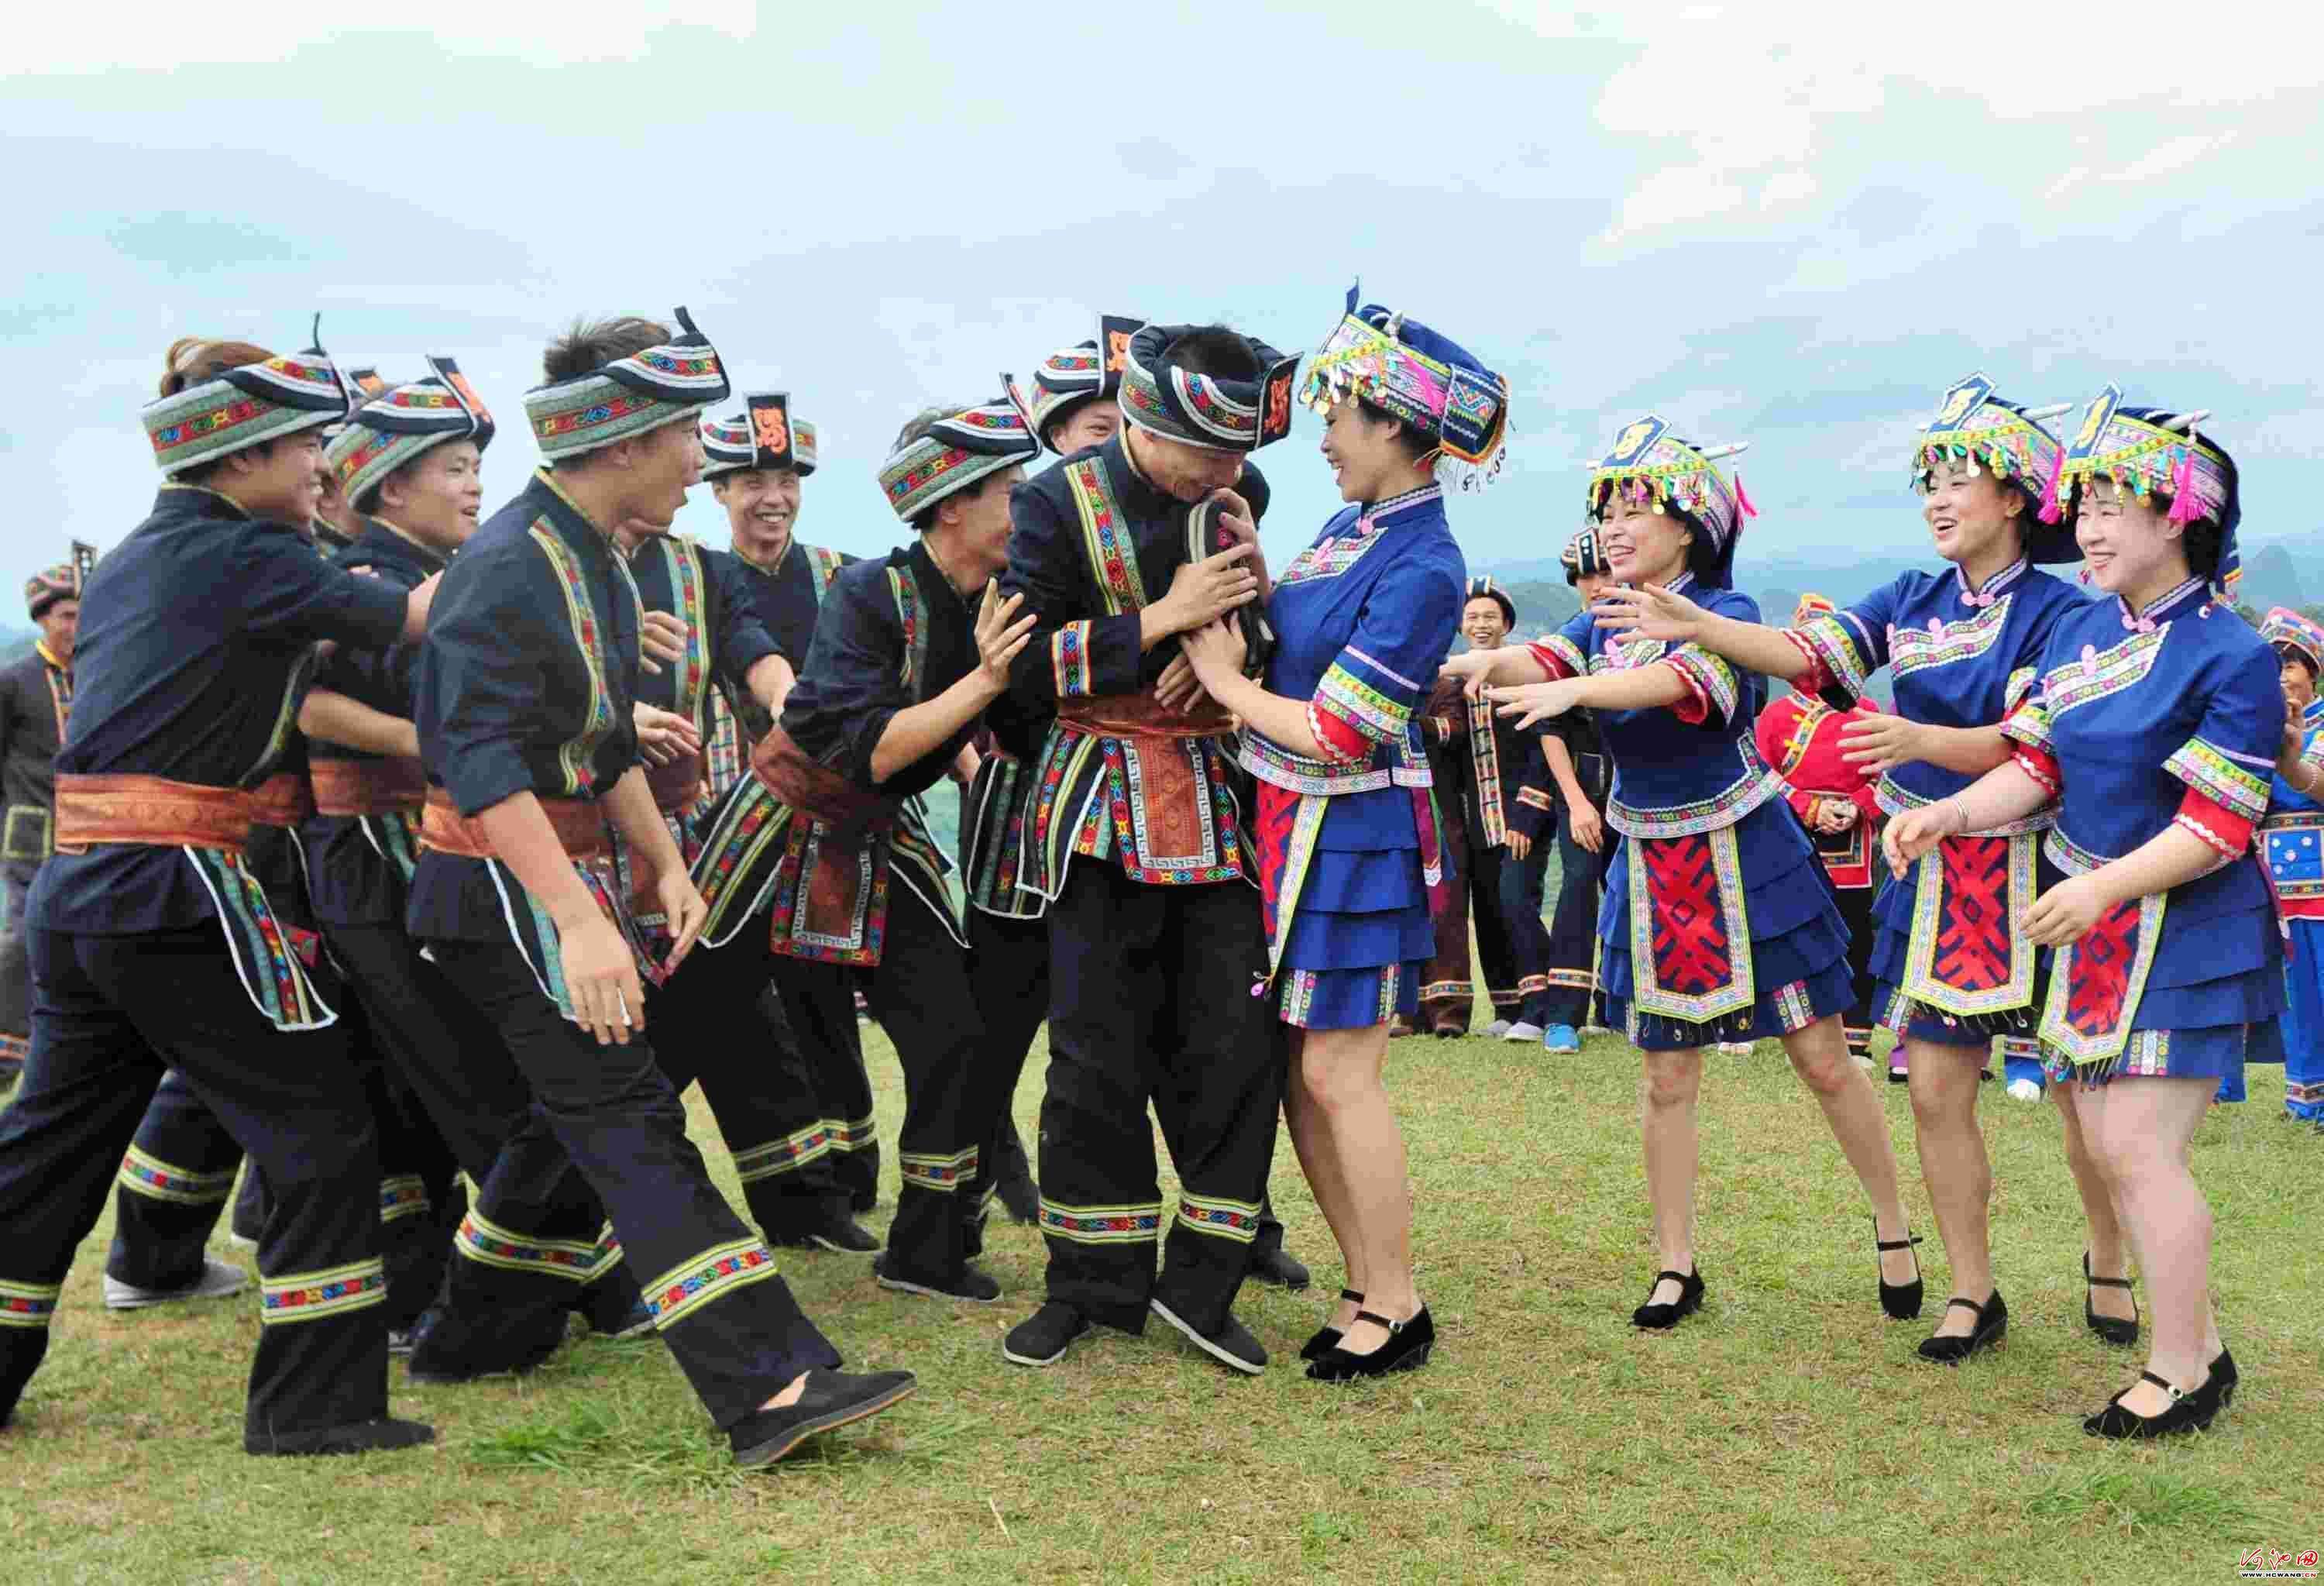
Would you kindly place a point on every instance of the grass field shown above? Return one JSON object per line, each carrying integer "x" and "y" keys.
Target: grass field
{"x": 1786, "y": 1434}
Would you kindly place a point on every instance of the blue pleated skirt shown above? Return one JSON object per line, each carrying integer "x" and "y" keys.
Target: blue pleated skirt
{"x": 1798, "y": 941}
{"x": 2303, "y": 1023}
{"x": 1360, "y": 938}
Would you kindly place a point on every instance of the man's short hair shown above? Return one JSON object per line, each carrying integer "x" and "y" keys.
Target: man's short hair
{"x": 592, "y": 344}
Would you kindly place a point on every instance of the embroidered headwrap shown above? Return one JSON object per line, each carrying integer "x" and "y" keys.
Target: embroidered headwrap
{"x": 956, "y": 452}
{"x": 1214, "y": 411}
{"x": 1650, "y": 466}
{"x": 2285, "y": 629}
{"x": 1482, "y": 587}
{"x": 1421, "y": 379}
{"x": 1585, "y": 558}
{"x": 1086, "y": 371}
{"x": 44, "y": 588}
{"x": 763, "y": 435}
{"x": 244, "y": 407}
{"x": 1812, "y": 606}
{"x": 400, "y": 422}
{"x": 629, "y": 396}
{"x": 1994, "y": 435}
{"x": 2147, "y": 451}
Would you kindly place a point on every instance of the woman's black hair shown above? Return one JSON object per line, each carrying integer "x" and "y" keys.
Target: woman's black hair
{"x": 1416, "y": 446}
{"x": 2291, "y": 654}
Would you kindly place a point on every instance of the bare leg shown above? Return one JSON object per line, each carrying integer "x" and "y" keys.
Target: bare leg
{"x": 1340, "y": 1073}
{"x": 2109, "y": 1251}
{"x": 2139, "y": 1130}
{"x": 1312, "y": 1141}
{"x": 1667, "y": 1093}
{"x": 1954, "y": 1166}
{"x": 1819, "y": 1056}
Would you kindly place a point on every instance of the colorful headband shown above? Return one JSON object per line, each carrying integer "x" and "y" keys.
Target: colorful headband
{"x": 44, "y": 588}
{"x": 2143, "y": 450}
{"x": 1072, "y": 375}
{"x": 1991, "y": 433}
{"x": 1585, "y": 558}
{"x": 954, "y": 454}
{"x": 763, "y": 435}
{"x": 1811, "y": 606}
{"x": 1650, "y": 466}
{"x": 1422, "y": 379}
{"x": 628, "y": 396}
{"x": 2286, "y": 627}
{"x": 1208, "y": 410}
{"x": 1482, "y": 587}
{"x": 244, "y": 407}
{"x": 398, "y": 424}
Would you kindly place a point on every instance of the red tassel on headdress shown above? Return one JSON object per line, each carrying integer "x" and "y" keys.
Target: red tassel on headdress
{"x": 1742, "y": 502}
{"x": 2052, "y": 511}
{"x": 2184, "y": 508}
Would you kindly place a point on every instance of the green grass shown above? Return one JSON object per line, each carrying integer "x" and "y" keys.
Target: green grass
{"x": 1785, "y": 1435}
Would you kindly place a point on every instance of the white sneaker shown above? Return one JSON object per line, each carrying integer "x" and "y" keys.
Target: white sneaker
{"x": 1500, "y": 1028}
{"x": 219, "y": 1279}
{"x": 1736, "y": 1048}
{"x": 2024, "y": 1090}
{"x": 1522, "y": 1031}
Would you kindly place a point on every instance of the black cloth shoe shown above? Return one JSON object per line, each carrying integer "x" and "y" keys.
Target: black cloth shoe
{"x": 831, "y": 1399}
{"x": 2114, "y": 1329}
{"x": 1992, "y": 1325}
{"x": 1409, "y": 1344}
{"x": 2224, "y": 1377}
{"x": 1689, "y": 1301}
{"x": 447, "y": 1348}
{"x": 1277, "y": 1265}
{"x": 1043, "y": 1337}
{"x": 2189, "y": 1412}
{"x": 971, "y": 1285}
{"x": 845, "y": 1235}
{"x": 381, "y": 1436}
{"x": 1233, "y": 1346}
{"x": 1326, "y": 1338}
{"x": 1902, "y": 1301}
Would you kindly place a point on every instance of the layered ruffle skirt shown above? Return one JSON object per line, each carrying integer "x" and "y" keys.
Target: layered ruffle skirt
{"x": 1359, "y": 937}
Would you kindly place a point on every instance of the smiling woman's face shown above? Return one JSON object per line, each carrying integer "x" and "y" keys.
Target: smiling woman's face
{"x": 2127, "y": 543}
{"x": 1643, "y": 546}
{"x": 1969, "y": 509}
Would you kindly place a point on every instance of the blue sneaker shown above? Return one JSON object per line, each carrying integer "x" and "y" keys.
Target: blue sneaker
{"x": 1561, "y": 1038}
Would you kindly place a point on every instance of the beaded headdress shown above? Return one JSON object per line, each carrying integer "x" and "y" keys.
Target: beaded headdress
{"x": 2285, "y": 627}
{"x": 954, "y": 454}
{"x": 244, "y": 407}
{"x": 1208, "y": 410}
{"x": 1421, "y": 379}
{"x": 628, "y": 396}
{"x": 1651, "y": 467}
{"x": 398, "y": 423}
{"x": 2146, "y": 450}
{"x": 763, "y": 435}
{"x": 1991, "y": 434}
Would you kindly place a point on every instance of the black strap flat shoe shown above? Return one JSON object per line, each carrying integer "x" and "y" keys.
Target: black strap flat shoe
{"x": 1690, "y": 1300}
{"x": 2190, "y": 1410}
{"x": 1902, "y": 1301}
{"x": 2225, "y": 1376}
{"x": 1992, "y": 1324}
{"x": 1407, "y": 1348}
{"x": 1327, "y": 1338}
{"x": 2114, "y": 1329}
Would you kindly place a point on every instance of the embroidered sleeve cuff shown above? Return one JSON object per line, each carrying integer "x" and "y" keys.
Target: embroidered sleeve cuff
{"x": 2038, "y": 764}
{"x": 1557, "y": 656}
{"x": 2029, "y": 723}
{"x": 1803, "y": 803}
{"x": 2020, "y": 685}
{"x": 1069, "y": 659}
{"x": 1694, "y": 706}
{"x": 2222, "y": 829}
{"x": 1710, "y": 677}
{"x": 1833, "y": 647}
{"x": 2237, "y": 783}
{"x": 1369, "y": 697}
{"x": 1817, "y": 678}
{"x": 1339, "y": 739}
{"x": 1866, "y": 798}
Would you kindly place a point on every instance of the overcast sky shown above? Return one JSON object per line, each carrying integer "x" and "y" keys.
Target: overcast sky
{"x": 1787, "y": 224}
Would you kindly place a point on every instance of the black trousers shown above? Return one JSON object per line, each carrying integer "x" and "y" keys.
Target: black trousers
{"x": 608, "y": 1119}
{"x": 1009, "y": 963}
{"x": 179, "y": 1172}
{"x": 1497, "y": 953}
{"x": 717, "y": 1022}
{"x": 15, "y": 961}
{"x": 109, "y": 1015}
{"x": 1571, "y": 966}
{"x": 1521, "y": 905}
{"x": 1151, "y": 1001}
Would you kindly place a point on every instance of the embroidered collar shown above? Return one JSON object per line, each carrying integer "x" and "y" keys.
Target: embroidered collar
{"x": 432, "y": 560}
{"x": 1682, "y": 583}
{"x": 234, "y": 507}
{"x": 1995, "y": 587}
{"x": 576, "y": 527}
{"x": 1377, "y": 514}
{"x": 2161, "y": 609}
{"x": 43, "y": 646}
{"x": 770, "y": 568}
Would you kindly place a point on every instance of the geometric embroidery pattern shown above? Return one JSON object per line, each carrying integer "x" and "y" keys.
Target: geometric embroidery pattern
{"x": 693, "y": 1284}
{"x": 1690, "y": 936}
{"x": 1966, "y": 957}
{"x": 307, "y": 1296}
{"x": 1230, "y": 1220}
{"x": 151, "y": 1177}
{"x": 1101, "y": 1225}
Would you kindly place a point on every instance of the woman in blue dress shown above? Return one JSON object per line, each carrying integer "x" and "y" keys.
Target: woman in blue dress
{"x": 1717, "y": 924}
{"x": 2155, "y": 724}
{"x": 2292, "y": 844}
{"x": 1350, "y": 853}
{"x": 1961, "y": 646}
